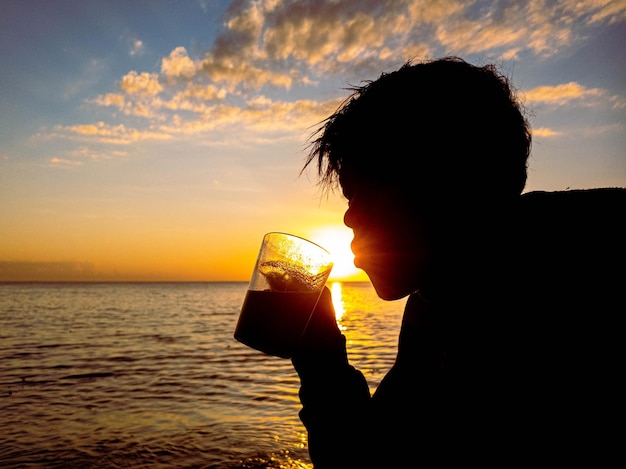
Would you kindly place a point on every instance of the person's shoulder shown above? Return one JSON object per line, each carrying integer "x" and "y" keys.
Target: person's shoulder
{"x": 579, "y": 216}
{"x": 595, "y": 195}
{"x": 596, "y": 203}
{"x": 573, "y": 242}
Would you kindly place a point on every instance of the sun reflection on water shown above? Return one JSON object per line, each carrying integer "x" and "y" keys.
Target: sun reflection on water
{"x": 337, "y": 297}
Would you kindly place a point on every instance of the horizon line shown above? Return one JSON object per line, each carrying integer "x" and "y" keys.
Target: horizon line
{"x": 156, "y": 281}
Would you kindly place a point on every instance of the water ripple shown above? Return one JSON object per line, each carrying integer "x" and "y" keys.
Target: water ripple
{"x": 149, "y": 376}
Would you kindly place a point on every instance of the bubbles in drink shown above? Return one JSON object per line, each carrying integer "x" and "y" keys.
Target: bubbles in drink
{"x": 283, "y": 276}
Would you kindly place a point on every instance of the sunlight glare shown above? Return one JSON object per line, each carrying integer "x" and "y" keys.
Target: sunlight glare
{"x": 337, "y": 297}
{"x": 337, "y": 239}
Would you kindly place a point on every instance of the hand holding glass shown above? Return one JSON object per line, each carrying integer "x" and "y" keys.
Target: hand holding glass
{"x": 287, "y": 281}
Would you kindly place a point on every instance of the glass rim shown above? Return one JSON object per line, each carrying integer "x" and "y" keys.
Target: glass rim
{"x": 283, "y": 233}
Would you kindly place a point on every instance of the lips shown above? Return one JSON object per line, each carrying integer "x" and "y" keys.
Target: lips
{"x": 356, "y": 246}
{"x": 365, "y": 252}
{"x": 358, "y": 258}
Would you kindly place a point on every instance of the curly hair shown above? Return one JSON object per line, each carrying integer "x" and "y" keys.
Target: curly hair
{"x": 446, "y": 120}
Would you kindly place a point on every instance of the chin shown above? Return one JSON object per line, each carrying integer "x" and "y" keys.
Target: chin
{"x": 393, "y": 277}
{"x": 390, "y": 294}
{"x": 388, "y": 288}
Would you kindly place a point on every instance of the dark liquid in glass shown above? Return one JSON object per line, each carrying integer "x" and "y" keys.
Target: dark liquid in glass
{"x": 273, "y": 322}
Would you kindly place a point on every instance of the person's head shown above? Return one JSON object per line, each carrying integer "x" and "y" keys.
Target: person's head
{"x": 417, "y": 153}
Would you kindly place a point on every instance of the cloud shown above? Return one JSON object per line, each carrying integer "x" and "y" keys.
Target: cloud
{"x": 259, "y": 114}
{"x": 178, "y": 64}
{"x": 79, "y": 156}
{"x": 145, "y": 84}
{"x": 613, "y": 10}
{"x": 314, "y": 35}
{"x": 237, "y": 72}
{"x": 282, "y": 43}
{"x": 545, "y": 132}
{"x": 55, "y": 161}
{"x": 317, "y": 36}
{"x": 618, "y": 102}
{"x": 110, "y": 99}
{"x": 562, "y": 94}
{"x": 497, "y": 28}
{"x": 142, "y": 105}
{"x": 204, "y": 92}
{"x": 114, "y": 134}
{"x": 269, "y": 45}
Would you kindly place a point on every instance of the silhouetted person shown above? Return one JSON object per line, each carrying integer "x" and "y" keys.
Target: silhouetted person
{"x": 510, "y": 349}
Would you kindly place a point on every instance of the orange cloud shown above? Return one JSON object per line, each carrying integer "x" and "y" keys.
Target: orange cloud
{"x": 544, "y": 132}
{"x": 603, "y": 9}
{"x": 110, "y": 99}
{"x": 116, "y": 134}
{"x": 561, "y": 94}
{"x": 204, "y": 92}
{"x": 235, "y": 71}
{"x": 78, "y": 156}
{"x": 178, "y": 64}
{"x": 63, "y": 162}
{"x": 282, "y": 44}
{"x": 146, "y": 84}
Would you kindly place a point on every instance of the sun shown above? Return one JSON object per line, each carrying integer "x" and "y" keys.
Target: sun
{"x": 336, "y": 239}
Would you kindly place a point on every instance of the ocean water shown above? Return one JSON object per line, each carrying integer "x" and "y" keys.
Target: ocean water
{"x": 148, "y": 375}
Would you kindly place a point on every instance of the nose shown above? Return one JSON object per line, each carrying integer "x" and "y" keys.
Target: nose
{"x": 356, "y": 213}
{"x": 349, "y": 216}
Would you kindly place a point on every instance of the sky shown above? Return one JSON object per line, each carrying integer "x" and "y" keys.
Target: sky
{"x": 159, "y": 140}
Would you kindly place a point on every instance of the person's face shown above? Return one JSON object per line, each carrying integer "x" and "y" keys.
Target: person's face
{"x": 390, "y": 236}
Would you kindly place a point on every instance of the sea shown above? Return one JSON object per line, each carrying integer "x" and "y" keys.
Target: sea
{"x": 148, "y": 375}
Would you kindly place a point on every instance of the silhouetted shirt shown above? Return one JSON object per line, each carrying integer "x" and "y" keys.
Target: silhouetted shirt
{"x": 520, "y": 364}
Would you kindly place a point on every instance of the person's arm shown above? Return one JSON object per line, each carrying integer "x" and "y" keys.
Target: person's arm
{"x": 335, "y": 396}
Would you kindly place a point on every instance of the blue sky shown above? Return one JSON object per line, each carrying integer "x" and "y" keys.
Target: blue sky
{"x": 161, "y": 139}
